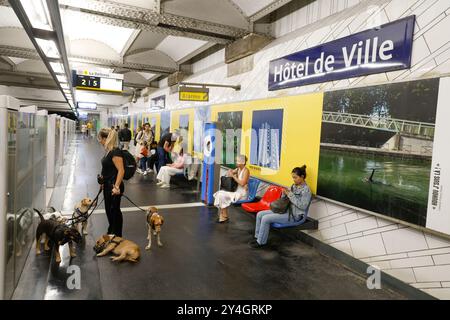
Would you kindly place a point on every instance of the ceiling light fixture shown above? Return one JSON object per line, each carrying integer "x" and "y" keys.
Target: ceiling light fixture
{"x": 38, "y": 14}
{"x": 41, "y": 20}
{"x": 57, "y": 67}
{"x": 61, "y": 78}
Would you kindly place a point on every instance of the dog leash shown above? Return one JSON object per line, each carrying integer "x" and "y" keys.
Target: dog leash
{"x": 123, "y": 195}
{"x": 78, "y": 219}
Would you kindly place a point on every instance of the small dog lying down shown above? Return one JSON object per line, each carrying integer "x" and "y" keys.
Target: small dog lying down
{"x": 58, "y": 233}
{"x": 81, "y": 210}
{"x": 154, "y": 223}
{"x": 123, "y": 249}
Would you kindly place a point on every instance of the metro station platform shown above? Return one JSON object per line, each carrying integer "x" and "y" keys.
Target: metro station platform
{"x": 200, "y": 259}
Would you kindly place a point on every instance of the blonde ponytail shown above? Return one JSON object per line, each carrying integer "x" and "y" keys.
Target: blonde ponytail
{"x": 112, "y": 139}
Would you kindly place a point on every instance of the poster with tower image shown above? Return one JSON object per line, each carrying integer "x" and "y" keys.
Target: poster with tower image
{"x": 265, "y": 148}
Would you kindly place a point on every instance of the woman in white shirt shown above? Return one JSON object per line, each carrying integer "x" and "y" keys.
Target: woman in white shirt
{"x": 224, "y": 199}
{"x": 166, "y": 172}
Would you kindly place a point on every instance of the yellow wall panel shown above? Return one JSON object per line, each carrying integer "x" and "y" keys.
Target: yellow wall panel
{"x": 175, "y": 124}
{"x": 302, "y": 118}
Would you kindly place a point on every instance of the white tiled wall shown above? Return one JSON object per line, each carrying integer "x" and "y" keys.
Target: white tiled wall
{"x": 417, "y": 258}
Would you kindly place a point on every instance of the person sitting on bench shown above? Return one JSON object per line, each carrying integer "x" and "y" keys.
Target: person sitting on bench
{"x": 165, "y": 147}
{"x": 299, "y": 197}
{"x": 169, "y": 170}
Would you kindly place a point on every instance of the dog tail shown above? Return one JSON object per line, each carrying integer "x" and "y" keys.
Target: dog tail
{"x": 40, "y": 214}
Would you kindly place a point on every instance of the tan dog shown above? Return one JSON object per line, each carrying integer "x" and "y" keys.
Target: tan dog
{"x": 154, "y": 223}
{"x": 81, "y": 210}
{"x": 123, "y": 249}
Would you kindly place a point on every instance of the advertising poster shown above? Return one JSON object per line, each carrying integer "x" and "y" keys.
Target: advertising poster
{"x": 231, "y": 127}
{"x": 438, "y": 216}
{"x": 165, "y": 123}
{"x": 377, "y": 146}
{"x": 135, "y": 123}
{"x": 202, "y": 115}
{"x": 184, "y": 130}
{"x": 267, "y": 128}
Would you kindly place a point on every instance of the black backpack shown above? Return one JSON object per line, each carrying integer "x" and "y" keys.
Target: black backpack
{"x": 129, "y": 164}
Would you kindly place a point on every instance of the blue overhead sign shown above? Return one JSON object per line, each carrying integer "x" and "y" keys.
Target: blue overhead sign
{"x": 382, "y": 49}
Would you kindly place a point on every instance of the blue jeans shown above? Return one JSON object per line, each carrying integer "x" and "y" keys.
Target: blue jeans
{"x": 163, "y": 158}
{"x": 263, "y": 221}
{"x": 143, "y": 163}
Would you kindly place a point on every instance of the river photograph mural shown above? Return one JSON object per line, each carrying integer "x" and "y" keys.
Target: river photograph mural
{"x": 376, "y": 148}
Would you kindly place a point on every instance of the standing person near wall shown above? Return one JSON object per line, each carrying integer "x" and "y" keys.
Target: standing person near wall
{"x": 89, "y": 128}
{"x": 165, "y": 146}
{"x": 147, "y": 137}
{"x": 125, "y": 137}
{"x": 147, "y": 134}
{"x": 137, "y": 137}
{"x": 83, "y": 129}
{"x": 111, "y": 179}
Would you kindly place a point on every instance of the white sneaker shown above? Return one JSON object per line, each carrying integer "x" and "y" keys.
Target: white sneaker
{"x": 145, "y": 173}
{"x": 139, "y": 171}
{"x": 165, "y": 186}
{"x": 160, "y": 183}
{"x": 149, "y": 170}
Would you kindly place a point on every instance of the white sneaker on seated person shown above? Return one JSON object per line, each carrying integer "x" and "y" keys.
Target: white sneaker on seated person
{"x": 164, "y": 186}
{"x": 160, "y": 183}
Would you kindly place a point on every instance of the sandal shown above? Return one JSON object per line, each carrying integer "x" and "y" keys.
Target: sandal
{"x": 222, "y": 221}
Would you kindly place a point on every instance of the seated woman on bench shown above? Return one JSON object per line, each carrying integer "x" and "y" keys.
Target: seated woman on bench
{"x": 299, "y": 197}
{"x": 169, "y": 170}
{"x": 223, "y": 199}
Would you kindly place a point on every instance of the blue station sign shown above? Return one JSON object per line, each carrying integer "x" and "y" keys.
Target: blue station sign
{"x": 381, "y": 49}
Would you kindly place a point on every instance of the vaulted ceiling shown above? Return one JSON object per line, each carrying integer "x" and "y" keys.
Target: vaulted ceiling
{"x": 143, "y": 39}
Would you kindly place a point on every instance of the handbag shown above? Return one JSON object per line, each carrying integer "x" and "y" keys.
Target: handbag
{"x": 280, "y": 205}
{"x": 228, "y": 184}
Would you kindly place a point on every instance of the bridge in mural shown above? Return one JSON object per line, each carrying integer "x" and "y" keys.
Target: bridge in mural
{"x": 412, "y": 128}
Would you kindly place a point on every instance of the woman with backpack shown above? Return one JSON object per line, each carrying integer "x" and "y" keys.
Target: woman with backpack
{"x": 111, "y": 179}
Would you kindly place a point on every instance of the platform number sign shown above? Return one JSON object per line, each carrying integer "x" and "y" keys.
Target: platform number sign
{"x": 88, "y": 82}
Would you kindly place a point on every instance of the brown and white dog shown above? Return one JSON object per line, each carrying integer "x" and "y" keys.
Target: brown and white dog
{"x": 154, "y": 223}
{"x": 81, "y": 210}
{"x": 125, "y": 250}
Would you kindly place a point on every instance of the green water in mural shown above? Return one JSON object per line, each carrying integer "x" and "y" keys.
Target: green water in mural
{"x": 398, "y": 188}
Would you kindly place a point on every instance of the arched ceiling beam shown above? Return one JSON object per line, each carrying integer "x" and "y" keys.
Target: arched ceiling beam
{"x": 33, "y": 55}
{"x": 143, "y": 19}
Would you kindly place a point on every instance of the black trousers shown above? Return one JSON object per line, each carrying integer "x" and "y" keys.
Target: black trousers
{"x": 152, "y": 160}
{"x": 112, "y": 208}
